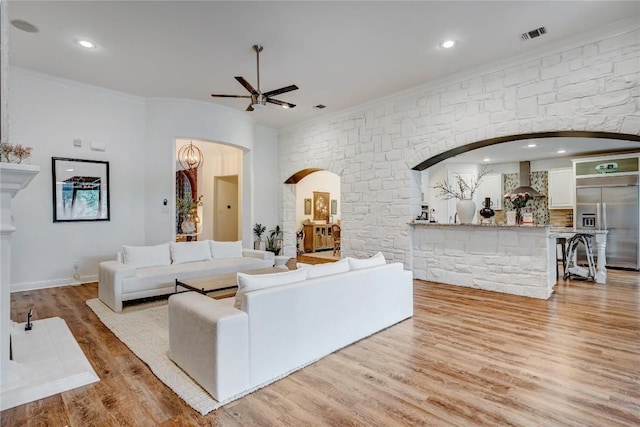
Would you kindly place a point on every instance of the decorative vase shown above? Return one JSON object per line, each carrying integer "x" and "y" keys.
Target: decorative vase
{"x": 518, "y": 216}
{"x": 487, "y": 212}
{"x": 466, "y": 209}
{"x": 188, "y": 225}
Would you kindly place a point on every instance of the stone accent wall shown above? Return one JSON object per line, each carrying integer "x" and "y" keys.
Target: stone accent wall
{"x": 594, "y": 87}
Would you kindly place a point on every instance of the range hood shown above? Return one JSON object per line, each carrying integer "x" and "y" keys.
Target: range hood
{"x": 525, "y": 181}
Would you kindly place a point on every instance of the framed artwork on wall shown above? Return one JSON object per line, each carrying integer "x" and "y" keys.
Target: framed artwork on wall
{"x": 80, "y": 190}
{"x": 320, "y": 205}
{"x": 334, "y": 207}
{"x": 307, "y": 206}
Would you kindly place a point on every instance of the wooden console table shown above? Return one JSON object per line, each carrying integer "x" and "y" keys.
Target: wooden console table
{"x": 317, "y": 237}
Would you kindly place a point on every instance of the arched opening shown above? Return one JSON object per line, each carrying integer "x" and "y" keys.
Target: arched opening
{"x": 217, "y": 183}
{"x": 317, "y": 212}
{"x": 574, "y": 136}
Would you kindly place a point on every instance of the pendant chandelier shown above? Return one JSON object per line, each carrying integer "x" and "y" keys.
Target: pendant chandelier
{"x": 190, "y": 156}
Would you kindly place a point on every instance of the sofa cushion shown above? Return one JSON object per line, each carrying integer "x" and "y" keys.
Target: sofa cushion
{"x": 253, "y": 282}
{"x": 357, "y": 264}
{"x": 147, "y": 256}
{"x": 319, "y": 270}
{"x": 221, "y": 250}
{"x": 189, "y": 252}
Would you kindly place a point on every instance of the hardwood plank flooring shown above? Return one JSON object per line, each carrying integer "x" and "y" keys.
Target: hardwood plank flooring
{"x": 466, "y": 358}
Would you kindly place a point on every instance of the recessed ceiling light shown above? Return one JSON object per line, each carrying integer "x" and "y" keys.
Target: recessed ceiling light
{"x": 486, "y": 160}
{"x": 531, "y": 145}
{"x": 447, "y": 44}
{"x": 562, "y": 151}
{"x": 86, "y": 44}
{"x": 24, "y": 25}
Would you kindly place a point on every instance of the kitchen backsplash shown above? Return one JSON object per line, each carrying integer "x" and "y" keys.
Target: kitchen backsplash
{"x": 539, "y": 205}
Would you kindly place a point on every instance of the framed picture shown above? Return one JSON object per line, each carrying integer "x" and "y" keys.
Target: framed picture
{"x": 307, "y": 206}
{"x": 334, "y": 207}
{"x": 80, "y": 190}
{"x": 320, "y": 206}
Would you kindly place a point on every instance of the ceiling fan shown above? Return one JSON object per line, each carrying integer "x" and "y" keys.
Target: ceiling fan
{"x": 259, "y": 99}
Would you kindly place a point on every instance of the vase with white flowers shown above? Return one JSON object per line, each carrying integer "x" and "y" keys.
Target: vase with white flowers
{"x": 463, "y": 190}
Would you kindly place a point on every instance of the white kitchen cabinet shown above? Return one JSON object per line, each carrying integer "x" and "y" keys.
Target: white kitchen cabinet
{"x": 561, "y": 188}
{"x": 491, "y": 186}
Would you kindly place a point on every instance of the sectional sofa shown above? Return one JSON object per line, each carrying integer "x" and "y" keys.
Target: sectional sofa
{"x": 281, "y": 322}
{"x": 145, "y": 271}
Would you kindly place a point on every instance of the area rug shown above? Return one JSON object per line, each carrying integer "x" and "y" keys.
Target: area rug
{"x": 144, "y": 328}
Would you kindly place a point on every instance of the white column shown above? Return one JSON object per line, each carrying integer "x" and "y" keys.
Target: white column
{"x": 13, "y": 178}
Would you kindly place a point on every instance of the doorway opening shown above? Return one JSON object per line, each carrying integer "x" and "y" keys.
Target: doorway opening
{"x": 225, "y": 217}
{"x": 222, "y": 167}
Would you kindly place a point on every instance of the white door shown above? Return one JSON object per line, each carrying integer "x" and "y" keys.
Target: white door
{"x": 225, "y": 215}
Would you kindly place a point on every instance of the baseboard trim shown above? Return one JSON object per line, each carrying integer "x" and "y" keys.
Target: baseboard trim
{"x": 55, "y": 283}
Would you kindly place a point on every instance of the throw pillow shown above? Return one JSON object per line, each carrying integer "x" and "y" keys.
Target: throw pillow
{"x": 253, "y": 282}
{"x": 357, "y": 264}
{"x": 190, "y": 252}
{"x": 319, "y": 270}
{"x": 147, "y": 256}
{"x": 221, "y": 250}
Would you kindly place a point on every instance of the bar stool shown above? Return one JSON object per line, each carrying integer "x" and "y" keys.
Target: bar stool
{"x": 561, "y": 241}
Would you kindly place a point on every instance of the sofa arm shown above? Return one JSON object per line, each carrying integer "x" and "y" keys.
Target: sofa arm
{"x": 258, "y": 254}
{"x": 210, "y": 342}
{"x": 110, "y": 276}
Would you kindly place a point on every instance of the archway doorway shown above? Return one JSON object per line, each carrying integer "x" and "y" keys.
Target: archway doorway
{"x": 219, "y": 161}
{"x": 318, "y": 213}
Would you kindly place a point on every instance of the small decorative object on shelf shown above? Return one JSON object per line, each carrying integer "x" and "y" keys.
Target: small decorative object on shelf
{"x": 486, "y": 212}
{"x": 11, "y": 153}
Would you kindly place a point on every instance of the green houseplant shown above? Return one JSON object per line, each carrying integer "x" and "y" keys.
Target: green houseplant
{"x": 274, "y": 240}
{"x": 187, "y": 209}
{"x": 258, "y": 230}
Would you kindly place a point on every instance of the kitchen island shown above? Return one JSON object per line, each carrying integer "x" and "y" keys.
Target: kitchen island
{"x": 519, "y": 260}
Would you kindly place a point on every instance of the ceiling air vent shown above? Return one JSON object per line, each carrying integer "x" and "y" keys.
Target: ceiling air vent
{"x": 319, "y": 106}
{"x": 534, "y": 33}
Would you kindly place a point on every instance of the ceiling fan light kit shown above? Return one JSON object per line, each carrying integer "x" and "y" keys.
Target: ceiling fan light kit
{"x": 258, "y": 99}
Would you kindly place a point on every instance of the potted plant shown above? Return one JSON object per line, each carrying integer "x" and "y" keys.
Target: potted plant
{"x": 463, "y": 191}
{"x": 187, "y": 209}
{"x": 274, "y": 240}
{"x": 258, "y": 230}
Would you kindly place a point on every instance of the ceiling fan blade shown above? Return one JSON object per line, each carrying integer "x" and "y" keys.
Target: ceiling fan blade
{"x": 249, "y": 108}
{"x": 281, "y": 90}
{"x": 230, "y": 96}
{"x": 282, "y": 103}
{"x": 246, "y": 85}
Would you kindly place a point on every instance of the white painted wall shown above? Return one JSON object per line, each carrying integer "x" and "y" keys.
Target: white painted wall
{"x": 317, "y": 181}
{"x": 48, "y": 113}
{"x": 264, "y": 158}
{"x": 591, "y": 87}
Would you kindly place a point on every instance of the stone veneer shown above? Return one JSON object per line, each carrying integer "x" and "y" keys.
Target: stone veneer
{"x": 593, "y": 87}
{"x": 514, "y": 260}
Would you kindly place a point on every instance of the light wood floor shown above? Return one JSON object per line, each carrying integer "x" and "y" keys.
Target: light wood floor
{"x": 467, "y": 358}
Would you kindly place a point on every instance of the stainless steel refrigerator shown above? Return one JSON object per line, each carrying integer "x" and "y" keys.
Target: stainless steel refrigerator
{"x": 611, "y": 203}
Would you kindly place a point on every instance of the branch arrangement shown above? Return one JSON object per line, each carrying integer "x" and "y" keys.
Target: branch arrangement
{"x": 447, "y": 190}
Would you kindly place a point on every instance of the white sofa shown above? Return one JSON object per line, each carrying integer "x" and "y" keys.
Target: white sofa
{"x": 145, "y": 271}
{"x": 280, "y": 328}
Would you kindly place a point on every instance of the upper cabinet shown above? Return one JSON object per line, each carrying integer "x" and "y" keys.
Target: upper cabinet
{"x": 561, "y": 188}
{"x": 491, "y": 186}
